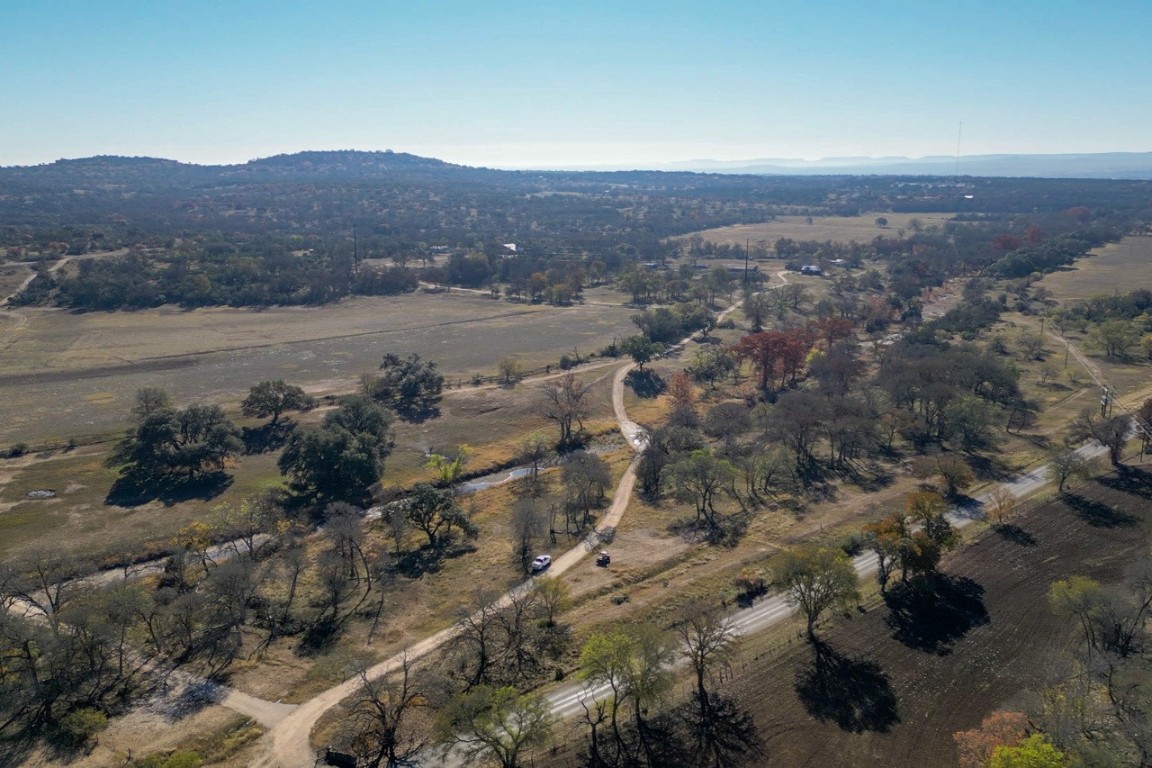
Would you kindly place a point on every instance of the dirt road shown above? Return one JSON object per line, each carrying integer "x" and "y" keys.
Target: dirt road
{"x": 287, "y": 743}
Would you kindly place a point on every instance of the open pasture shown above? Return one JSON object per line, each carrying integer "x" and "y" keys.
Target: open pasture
{"x": 838, "y": 229}
{"x": 494, "y": 422}
{"x": 69, "y": 374}
{"x": 12, "y": 276}
{"x": 1114, "y": 268}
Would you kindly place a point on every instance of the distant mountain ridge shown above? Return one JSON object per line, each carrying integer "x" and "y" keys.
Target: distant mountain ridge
{"x": 374, "y": 164}
{"x": 1100, "y": 165}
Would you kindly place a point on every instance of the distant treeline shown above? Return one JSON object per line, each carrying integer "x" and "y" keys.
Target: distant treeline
{"x": 315, "y": 227}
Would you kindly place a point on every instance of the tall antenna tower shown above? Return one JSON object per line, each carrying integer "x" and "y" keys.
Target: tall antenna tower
{"x": 959, "y": 134}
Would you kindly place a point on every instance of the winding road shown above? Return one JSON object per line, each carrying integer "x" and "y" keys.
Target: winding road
{"x": 286, "y": 743}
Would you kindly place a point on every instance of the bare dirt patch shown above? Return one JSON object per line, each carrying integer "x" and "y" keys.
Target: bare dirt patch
{"x": 893, "y": 688}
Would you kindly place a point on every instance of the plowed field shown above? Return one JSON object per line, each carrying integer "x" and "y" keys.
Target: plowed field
{"x": 892, "y": 685}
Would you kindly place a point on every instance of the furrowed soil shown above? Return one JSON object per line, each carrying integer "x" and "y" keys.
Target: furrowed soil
{"x": 892, "y": 687}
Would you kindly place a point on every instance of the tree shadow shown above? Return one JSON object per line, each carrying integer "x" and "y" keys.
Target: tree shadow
{"x": 16, "y": 747}
{"x": 932, "y": 615}
{"x": 747, "y": 598}
{"x": 646, "y": 384}
{"x": 965, "y": 506}
{"x": 853, "y": 693}
{"x": 867, "y": 475}
{"x": 267, "y": 437}
{"x": 186, "y": 697}
{"x": 1098, "y": 514}
{"x": 1015, "y": 534}
{"x": 1130, "y": 480}
{"x": 720, "y": 734}
{"x": 134, "y": 491}
{"x": 418, "y": 411}
{"x": 987, "y": 467}
{"x": 426, "y": 559}
{"x": 319, "y": 635}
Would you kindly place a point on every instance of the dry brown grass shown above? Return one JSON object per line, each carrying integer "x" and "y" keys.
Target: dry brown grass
{"x": 1115, "y": 268}
{"x": 493, "y": 422}
{"x": 11, "y": 276}
{"x": 838, "y": 229}
{"x": 218, "y": 735}
{"x": 71, "y": 374}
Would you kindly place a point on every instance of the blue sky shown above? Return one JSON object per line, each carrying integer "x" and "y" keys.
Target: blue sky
{"x": 519, "y": 84}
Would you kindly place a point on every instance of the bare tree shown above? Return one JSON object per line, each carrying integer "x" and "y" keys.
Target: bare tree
{"x": 565, "y": 402}
{"x": 510, "y": 371}
{"x": 528, "y": 527}
{"x": 382, "y": 714}
{"x": 1001, "y": 501}
{"x": 533, "y": 451}
{"x": 1112, "y": 432}
{"x": 1064, "y": 465}
{"x": 586, "y": 478}
{"x": 707, "y": 640}
{"x": 478, "y": 641}
{"x": 496, "y": 723}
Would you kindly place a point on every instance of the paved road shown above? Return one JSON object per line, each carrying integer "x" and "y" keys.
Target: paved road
{"x": 568, "y": 701}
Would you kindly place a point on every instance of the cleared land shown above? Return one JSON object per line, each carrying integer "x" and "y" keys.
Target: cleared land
{"x": 901, "y": 687}
{"x": 1118, "y": 268}
{"x": 68, "y": 374}
{"x": 838, "y": 229}
{"x": 1115, "y": 268}
{"x": 893, "y": 686}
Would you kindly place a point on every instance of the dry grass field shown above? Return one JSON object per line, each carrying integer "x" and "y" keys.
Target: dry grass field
{"x": 1115, "y": 268}
{"x": 75, "y": 374}
{"x": 494, "y": 422}
{"x": 838, "y": 229}
{"x": 67, "y": 374}
{"x": 11, "y": 276}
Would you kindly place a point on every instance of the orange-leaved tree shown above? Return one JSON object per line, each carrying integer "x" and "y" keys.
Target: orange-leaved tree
{"x": 974, "y": 748}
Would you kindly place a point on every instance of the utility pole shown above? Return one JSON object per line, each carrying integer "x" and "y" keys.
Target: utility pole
{"x": 747, "y": 241}
{"x": 355, "y": 250}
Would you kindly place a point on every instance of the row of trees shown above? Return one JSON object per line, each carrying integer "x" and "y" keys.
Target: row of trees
{"x": 634, "y": 723}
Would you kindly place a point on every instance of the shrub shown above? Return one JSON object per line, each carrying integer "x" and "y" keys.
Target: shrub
{"x": 81, "y": 725}
{"x": 751, "y": 582}
{"x": 853, "y": 544}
